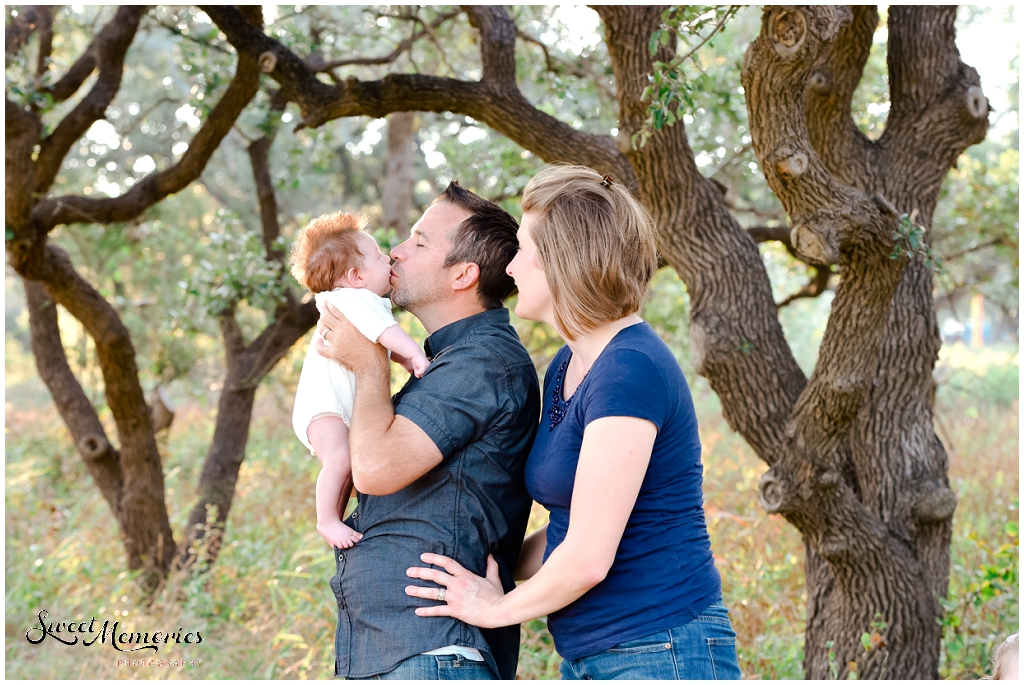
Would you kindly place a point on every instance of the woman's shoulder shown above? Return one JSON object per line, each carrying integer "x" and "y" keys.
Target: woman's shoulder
{"x": 641, "y": 347}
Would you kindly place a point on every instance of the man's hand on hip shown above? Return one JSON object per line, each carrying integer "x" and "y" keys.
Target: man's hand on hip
{"x": 346, "y": 345}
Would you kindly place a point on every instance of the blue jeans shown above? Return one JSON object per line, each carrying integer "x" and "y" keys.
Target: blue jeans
{"x": 437, "y": 667}
{"x": 703, "y": 649}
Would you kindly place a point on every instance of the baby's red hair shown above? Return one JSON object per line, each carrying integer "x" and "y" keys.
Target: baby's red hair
{"x": 326, "y": 249}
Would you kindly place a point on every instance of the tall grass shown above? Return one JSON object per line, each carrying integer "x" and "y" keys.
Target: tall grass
{"x": 265, "y": 609}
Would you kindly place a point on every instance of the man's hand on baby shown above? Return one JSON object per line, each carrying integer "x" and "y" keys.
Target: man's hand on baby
{"x": 345, "y": 345}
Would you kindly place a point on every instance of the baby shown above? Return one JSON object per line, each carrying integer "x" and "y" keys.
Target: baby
{"x": 342, "y": 264}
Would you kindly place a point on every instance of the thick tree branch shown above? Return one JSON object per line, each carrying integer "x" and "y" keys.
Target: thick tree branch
{"x": 109, "y": 47}
{"x": 844, "y": 149}
{"x": 52, "y": 212}
{"x": 921, "y": 40}
{"x": 22, "y": 128}
{"x": 259, "y": 159}
{"x": 764, "y": 234}
{"x": 45, "y": 39}
{"x": 142, "y": 498}
{"x": 500, "y": 106}
{"x": 497, "y": 44}
{"x": 938, "y": 107}
{"x": 735, "y": 335}
{"x": 101, "y": 459}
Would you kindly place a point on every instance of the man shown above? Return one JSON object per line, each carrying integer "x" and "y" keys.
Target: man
{"x": 438, "y": 468}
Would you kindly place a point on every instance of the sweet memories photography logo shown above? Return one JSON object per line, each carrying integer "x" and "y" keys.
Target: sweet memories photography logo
{"x": 89, "y": 633}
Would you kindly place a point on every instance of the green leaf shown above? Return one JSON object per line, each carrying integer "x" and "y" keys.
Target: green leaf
{"x": 1012, "y": 529}
{"x": 865, "y": 640}
{"x": 652, "y": 45}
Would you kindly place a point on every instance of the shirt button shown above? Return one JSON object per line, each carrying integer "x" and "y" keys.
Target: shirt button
{"x": 341, "y": 557}
{"x": 355, "y": 514}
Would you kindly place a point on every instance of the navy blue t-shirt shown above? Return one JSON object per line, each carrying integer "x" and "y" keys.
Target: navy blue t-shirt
{"x": 664, "y": 574}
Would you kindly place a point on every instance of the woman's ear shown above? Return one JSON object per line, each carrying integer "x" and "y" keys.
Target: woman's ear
{"x": 465, "y": 275}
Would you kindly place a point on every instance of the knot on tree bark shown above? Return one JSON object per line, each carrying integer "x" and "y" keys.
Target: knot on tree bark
{"x": 771, "y": 491}
{"x": 93, "y": 446}
{"x": 820, "y": 81}
{"x": 268, "y": 61}
{"x": 935, "y": 506}
{"x": 818, "y": 247}
{"x": 792, "y": 166}
{"x": 788, "y": 32}
{"x": 977, "y": 103}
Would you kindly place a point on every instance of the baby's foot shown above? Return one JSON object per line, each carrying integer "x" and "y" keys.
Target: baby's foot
{"x": 338, "y": 534}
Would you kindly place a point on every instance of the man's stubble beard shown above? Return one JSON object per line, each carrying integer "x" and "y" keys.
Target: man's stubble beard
{"x": 410, "y": 297}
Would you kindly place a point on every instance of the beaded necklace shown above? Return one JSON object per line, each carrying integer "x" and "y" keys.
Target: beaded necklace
{"x": 559, "y": 408}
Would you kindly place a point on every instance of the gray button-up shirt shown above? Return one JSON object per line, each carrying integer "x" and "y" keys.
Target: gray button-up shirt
{"x": 479, "y": 402}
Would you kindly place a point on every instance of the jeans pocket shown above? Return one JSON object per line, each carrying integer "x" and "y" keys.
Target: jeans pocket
{"x": 657, "y": 642}
{"x": 723, "y": 658}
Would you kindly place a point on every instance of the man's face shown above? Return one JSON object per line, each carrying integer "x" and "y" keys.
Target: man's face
{"x": 417, "y": 275}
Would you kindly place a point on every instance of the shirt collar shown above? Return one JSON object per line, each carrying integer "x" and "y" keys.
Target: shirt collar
{"x": 457, "y": 330}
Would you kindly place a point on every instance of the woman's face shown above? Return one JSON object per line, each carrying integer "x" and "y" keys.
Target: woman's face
{"x": 534, "y": 302}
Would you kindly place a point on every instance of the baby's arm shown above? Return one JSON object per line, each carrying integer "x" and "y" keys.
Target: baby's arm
{"x": 399, "y": 342}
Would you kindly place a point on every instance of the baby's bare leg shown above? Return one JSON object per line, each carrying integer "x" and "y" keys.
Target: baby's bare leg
{"x": 329, "y": 437}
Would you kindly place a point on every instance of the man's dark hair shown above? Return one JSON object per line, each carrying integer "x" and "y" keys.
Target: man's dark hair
{"x": 487, "y": 238}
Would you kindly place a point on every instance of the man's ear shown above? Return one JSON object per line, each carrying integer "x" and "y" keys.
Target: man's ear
{"x": 355, "y": 278}
{"x": 465, "y": 275}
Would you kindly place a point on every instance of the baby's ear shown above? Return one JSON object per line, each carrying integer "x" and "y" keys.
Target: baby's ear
{"x": 355, "y": 278}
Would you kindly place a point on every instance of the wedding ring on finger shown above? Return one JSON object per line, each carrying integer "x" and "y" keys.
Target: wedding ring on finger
{"x": 440, "y": 594}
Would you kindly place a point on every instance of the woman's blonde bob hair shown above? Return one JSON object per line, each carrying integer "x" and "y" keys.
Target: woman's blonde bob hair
{"x": 597, "y": 246}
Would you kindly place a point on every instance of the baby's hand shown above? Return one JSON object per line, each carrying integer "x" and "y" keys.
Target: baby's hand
{"x": 419, "y": 365}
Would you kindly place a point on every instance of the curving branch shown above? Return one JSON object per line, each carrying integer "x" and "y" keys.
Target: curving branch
{"x": 55, "y": 211}
{"x": 813, "y": 288}
{"x": 495, "y": 100}
{"x": 108, "y": 49}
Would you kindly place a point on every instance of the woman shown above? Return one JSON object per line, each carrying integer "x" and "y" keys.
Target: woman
{"x": 624, "y": 568}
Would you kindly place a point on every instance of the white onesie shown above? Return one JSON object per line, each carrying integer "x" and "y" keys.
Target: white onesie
{"x": 326, "y": 388}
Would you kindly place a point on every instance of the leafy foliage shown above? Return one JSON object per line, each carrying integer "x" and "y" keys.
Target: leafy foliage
{"x": 672, "y": 86}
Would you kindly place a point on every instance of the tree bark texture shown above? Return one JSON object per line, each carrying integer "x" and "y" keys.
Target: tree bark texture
{"x": 400, "y": 176}
{"x": 855, "y": 464}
